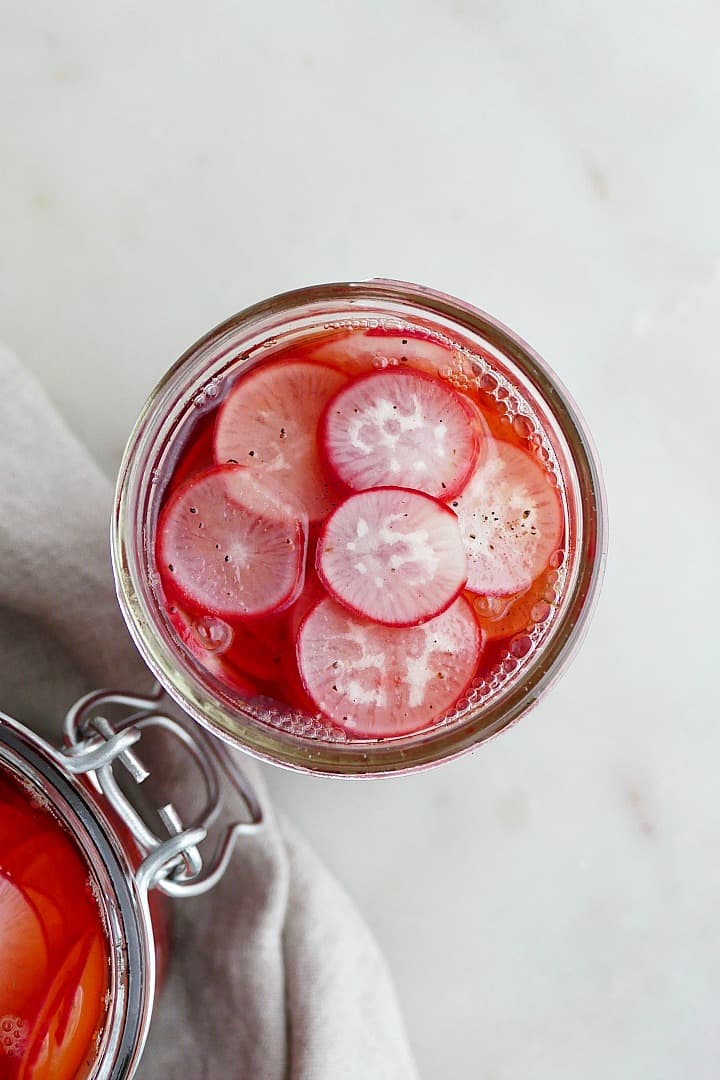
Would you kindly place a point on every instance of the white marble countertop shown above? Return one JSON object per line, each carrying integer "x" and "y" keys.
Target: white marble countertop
{"x": 549, "y": 905}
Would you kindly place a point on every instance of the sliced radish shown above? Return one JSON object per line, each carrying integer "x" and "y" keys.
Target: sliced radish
{"x": 231, "y": 546}
{"x": 42, "y": 858}
{"x": 511, "y": 521}
{"x": 62, "y": 1035}
{"x": 52, "y": 918}
{"x": 378, "y": 681}
{"x": 269, "y": 422}
{"x": 400, "y": 427}
{"x": 23, "y": 948}
{"x": 392, "y": 555}
{"x": 362, "y": 351}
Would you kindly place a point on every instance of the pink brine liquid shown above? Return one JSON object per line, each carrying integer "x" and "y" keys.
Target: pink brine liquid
{"x": 364, "y": 530}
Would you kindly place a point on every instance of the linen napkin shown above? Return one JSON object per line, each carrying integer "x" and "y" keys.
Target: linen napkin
{"x": 273, "y": 976}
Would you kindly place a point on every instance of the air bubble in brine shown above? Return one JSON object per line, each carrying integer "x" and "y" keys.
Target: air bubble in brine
{"x": 520, "y": 646}
{"x": 540, "y": 612}
{"x": 213, "y": 634}
{"x": 523, "y": 427}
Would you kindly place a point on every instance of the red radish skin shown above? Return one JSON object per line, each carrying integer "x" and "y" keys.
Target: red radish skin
{"x": 362, "y": 351}
{"x": 401, "y": 428}
{"x": 392, "y": 555}
{"x": 23, "y": 946}
{"x": 511, "y": 522}
{"x": 59, "y": 1040}
{"x": 230, "y": 546}
{"x": 269, "y": 422}
{"x": 376, "y": 681}
{"x": 50, "y": 914}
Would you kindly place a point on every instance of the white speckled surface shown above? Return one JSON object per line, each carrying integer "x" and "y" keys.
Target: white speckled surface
{"x": 550, "y": 904}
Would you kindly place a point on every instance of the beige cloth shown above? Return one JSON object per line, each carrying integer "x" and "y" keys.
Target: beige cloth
{"x": 274, "y": 976}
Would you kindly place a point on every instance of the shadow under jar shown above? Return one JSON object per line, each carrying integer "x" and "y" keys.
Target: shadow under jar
{"x": 273, "y": 408}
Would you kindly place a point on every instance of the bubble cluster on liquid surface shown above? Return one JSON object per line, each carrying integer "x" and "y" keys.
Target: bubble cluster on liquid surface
{"x": 303, "y": 725}
{"x": 522, "y": 647}
{"x": 13, "y": 1035}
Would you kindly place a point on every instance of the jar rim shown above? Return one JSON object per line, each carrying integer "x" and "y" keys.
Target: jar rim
{"x": 123, "y": 906}
{"x": 357, "y": 757}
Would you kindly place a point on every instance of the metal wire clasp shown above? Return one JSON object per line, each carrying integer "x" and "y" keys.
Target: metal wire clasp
{"x": 172, "y": 863}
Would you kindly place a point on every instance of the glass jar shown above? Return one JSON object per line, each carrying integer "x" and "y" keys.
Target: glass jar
{"x": 130, "y": 863}
{"x": 529, "y": 397}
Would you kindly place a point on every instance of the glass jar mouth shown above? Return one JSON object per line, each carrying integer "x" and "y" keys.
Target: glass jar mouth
{"x": 193, "y": 381}
{"x": 123, "y": 908}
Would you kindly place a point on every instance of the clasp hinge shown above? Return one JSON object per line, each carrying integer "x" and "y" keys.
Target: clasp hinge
{"x": 94, "y": 745}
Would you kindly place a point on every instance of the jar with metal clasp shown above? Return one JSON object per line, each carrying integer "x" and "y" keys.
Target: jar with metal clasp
{"x": 85, "y": 873}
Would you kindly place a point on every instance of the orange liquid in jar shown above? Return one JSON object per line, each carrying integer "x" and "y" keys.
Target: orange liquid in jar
{"x": 54, "y": 966}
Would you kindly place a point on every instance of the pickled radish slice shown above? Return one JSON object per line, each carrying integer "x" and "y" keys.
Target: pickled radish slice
{"x": 38, "y": 858}
{"x": 361, "y": 351}
{"x": 54, "y": 964}
{"x": 392, "y": 555}
{"x": 377, "y": 681}
{"x": 511, "y": 522}
{"x": 403, "y": 428}
{"x": 230, "y": 545}
{"x": 23, "y": 947}
{"x": 59, "y": 1040}
{"x": 269, "y": 422}
{"x": 52, "y": 919}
